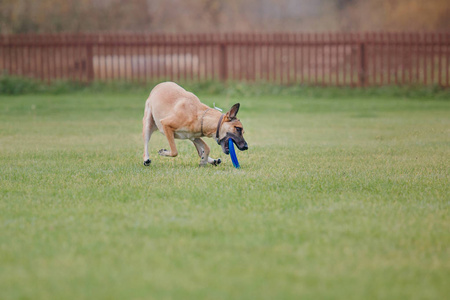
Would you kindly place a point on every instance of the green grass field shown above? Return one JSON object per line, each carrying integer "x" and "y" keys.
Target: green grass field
{"x": 337, "y": 198}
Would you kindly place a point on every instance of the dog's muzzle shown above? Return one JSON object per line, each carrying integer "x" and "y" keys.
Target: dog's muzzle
{"x": 240, "y": 143}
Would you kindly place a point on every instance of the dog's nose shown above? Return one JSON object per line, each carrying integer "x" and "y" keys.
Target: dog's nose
{"x": 245, "y": 146}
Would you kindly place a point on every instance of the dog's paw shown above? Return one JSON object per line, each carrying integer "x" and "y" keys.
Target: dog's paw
{"x": 163, "y": 152}
{"x": 147, "y": 162}
{"x": 217, "y": 162}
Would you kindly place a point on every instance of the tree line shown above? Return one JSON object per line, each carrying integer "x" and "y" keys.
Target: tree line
{"x": 51, "y": 16}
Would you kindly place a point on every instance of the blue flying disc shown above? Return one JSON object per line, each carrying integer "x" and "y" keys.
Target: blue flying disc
{"x": 233, "y": 154}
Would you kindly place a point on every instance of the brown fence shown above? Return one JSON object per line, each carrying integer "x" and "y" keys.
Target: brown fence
{"x": 341, "y": 59}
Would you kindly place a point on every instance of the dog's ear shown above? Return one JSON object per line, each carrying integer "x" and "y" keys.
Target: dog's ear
{"x": 231, "y": 114}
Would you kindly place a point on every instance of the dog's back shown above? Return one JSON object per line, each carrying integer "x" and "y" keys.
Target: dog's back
{"x": 169, "y": 99}
{"x": 168, "y": 94}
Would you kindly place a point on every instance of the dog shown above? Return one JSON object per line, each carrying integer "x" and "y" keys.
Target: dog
{"x": 179, "y": 114}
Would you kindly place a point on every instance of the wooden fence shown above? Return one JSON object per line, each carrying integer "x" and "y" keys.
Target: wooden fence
{"x": 341, "y": 59}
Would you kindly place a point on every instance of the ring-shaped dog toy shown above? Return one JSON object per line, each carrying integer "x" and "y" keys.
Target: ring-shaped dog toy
{"x": 234, "y": 159}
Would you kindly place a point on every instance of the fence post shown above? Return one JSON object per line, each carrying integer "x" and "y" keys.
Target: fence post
{"x": 89, "y": 62}
{"x": 223, "y": 61}
{"x": 362, "y": 64}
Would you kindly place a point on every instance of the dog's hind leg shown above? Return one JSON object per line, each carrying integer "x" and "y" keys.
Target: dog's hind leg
{"x": 203, "y": 151}
{"x": 148, "y": 127}
{"x": 170, "y": 135}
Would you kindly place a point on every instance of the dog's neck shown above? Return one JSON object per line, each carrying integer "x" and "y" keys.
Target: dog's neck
{"x": 210, "y": 122}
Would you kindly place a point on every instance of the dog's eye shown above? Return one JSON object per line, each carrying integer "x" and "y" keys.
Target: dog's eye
{"x": 239, "y": 129}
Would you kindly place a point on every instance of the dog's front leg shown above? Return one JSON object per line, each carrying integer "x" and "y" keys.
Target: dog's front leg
{"x": 203, "y": 151}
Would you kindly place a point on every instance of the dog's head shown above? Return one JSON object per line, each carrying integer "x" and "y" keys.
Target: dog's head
{"x": 231, "y": 128}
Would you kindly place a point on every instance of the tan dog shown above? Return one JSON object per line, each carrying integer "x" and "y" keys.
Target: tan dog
{"x": 179, "y": 114}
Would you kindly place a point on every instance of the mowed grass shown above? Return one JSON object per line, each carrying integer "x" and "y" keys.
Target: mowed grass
{"x": 336, "y": 198}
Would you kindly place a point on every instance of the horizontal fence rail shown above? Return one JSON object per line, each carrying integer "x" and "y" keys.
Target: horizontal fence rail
{"x": 339, "y": 59}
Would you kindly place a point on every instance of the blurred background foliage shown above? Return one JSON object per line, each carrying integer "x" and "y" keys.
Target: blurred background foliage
{"x": 25, "y": 16}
